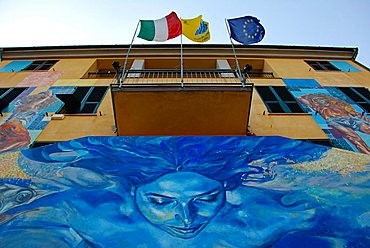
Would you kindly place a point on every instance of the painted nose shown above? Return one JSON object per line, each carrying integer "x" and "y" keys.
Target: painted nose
{"x": 185, "y": 214}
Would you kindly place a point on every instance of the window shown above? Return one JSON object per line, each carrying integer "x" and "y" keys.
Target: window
{"x": 7, "y": 95}
{"x": 40, "y": 65}
{"x": 84, "y": 100}
{"x": 360, "y": 95}
{"x": 322, "y": 65}
{"x": 278, "y": 99}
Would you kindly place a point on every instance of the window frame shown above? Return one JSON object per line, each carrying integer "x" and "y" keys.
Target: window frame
{"x": 321, "y": 65}
{"x": 358, "y": 103}
{"x": 39, "y": 64}
{"x": 84, "y": 100}
{"x": 282, "y": 103}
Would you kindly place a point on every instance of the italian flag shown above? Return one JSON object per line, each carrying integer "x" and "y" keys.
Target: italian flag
{"x": 162, "y": 29}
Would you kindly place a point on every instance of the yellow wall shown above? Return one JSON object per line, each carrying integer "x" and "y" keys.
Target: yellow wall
{"x": 187, "y": 112}
{"x": 73, "y": 68}
{"x": 76, "y": 126}
{"x": 298, "y": 126}
{"x": 298, "y": 68}
{"x": 11, "y": 79}
{"x": 289, "y": 68}
{"x": 82, "y": 82}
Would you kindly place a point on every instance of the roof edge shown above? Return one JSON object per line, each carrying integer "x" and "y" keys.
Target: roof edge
{"x": 300, "y": 47}
{"x": 147, "y": 50}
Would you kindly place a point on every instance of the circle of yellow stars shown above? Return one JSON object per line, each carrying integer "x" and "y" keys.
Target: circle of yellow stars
{"x": 245, "y": 31}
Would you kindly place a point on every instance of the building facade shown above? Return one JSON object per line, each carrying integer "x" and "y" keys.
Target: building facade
{"x": 51, "y": 94}
{"x": 159, "y": 151}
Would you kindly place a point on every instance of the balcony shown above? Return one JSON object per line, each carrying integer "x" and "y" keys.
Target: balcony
{"x": 161, "y": 102}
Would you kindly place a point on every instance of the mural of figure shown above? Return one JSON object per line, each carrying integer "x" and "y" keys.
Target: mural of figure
{"x": 340, "y": 116}
{"x": 183, "y": 192}
{"x": 14, "y": 133}
{"x": 181, "y": 204}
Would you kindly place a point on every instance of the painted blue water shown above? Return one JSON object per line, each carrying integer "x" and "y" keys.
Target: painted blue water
{"x": 184, "y": 192}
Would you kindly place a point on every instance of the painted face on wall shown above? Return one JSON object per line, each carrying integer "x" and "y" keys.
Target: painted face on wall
{"x": 181, "y": 203}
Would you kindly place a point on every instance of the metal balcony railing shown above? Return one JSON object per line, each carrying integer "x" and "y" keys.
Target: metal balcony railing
{"x": 175, "y": 76}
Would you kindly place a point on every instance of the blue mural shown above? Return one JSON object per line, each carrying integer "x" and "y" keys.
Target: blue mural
{"x": 16, "y": 66}
{"x": 184, "y": 192}
{"x": 344, "y": 66}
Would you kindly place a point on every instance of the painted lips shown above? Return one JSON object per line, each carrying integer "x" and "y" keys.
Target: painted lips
{"x": 186, "y": 230}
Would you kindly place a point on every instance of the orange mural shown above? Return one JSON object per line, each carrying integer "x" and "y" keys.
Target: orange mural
{"x": 340, "y": 116}
{"x": 13, "y": 135}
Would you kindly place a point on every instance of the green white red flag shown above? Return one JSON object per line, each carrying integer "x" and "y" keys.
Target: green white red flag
{"x": 163, "y": 29}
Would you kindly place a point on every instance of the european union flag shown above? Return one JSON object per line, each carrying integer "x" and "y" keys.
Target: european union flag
{"x": 246, "y": 30}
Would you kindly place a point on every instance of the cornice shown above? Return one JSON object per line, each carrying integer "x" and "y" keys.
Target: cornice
{"x": 173, "y": 50}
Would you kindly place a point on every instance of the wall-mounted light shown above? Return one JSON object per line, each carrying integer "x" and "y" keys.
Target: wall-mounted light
{"x": 247, "y": 68}
{"x": 116, "y": 66}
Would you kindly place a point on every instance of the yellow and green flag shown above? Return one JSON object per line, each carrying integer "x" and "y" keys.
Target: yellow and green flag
{"x": 196, "y": 29}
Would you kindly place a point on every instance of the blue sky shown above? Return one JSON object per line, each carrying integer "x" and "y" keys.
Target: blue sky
{"x": 339, "y": 23}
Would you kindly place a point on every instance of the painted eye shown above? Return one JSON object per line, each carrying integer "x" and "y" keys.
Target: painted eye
{"x": 160, "y": 201}
{"x": 23, "y": 196}
{"x": 207, "y": 198}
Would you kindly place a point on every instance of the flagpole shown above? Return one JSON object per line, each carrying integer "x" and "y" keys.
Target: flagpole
{"x": 182, "y": 65}
{"x": 241, "y": 78}
{"x": 126, "y": 59}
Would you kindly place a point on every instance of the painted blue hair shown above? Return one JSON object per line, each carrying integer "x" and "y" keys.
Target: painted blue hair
{"x": 140, "y": 160}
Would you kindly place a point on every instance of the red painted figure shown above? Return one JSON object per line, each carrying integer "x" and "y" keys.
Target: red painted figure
{"x": 340, "y": 116}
